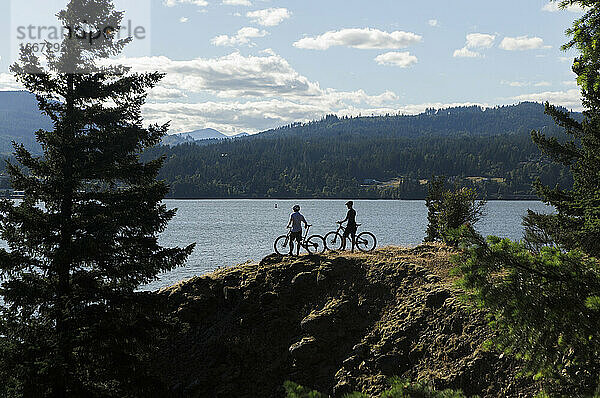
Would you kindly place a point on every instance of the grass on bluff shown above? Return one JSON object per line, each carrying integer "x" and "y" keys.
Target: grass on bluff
{"x": 399, "y": 389}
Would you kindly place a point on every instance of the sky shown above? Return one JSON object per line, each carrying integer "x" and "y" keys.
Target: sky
{"x": 251, "y": 65}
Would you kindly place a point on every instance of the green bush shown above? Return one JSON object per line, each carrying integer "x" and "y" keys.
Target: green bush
{"x": 294, "y": 390}
{"x": 406, "y": 389}
{"x": 399, "y": 389}
{"x": 450, "y": 209}
{"x": 545, "y": 306}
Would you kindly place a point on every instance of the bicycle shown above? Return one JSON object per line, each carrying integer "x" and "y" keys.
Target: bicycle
{"x": 313, "y": 245}
{"x": 365, "y": 241}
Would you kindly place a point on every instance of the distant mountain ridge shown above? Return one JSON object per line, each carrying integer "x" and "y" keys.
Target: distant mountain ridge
{"x": 197, "y": 135}
{"x": 372, "y": 157}
{"x": 375, "y": 157}
{"x": 471, "y": 120}
{"x": 20, "y": 118}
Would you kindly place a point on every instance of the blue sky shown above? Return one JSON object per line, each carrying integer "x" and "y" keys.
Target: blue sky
{"x": 249, "y": 65}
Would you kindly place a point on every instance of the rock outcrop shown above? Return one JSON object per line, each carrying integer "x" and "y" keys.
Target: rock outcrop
{"x": 335, "y": 323}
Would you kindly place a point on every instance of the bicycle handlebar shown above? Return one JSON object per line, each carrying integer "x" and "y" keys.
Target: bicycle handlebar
{"x": 307, "y": 226}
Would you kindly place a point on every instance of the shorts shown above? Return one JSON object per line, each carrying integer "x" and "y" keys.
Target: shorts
{"x": 296, "y": 236}
{"x": 350, "y": 230}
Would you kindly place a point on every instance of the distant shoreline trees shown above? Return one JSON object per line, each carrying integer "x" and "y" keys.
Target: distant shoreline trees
{"x": 379, "y": 158}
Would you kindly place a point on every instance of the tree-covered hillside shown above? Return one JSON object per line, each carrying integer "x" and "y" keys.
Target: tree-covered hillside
{"x": 371, "y": 157}
{"x": 20, "y": 118}
{"x": 471, "y": 120}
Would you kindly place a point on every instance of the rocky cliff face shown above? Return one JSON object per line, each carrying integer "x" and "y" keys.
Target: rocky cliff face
{"x": 336, "y": 323}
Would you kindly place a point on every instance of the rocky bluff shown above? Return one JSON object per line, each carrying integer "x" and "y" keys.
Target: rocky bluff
{"x": 336, "y": 323}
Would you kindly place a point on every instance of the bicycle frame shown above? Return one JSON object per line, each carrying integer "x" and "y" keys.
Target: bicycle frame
{"x": 341, "y": 229}
{"x": 361, "y": 240}
{"x": 303, "y": 243}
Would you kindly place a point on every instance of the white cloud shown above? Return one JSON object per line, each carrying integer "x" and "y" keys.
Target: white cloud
{"x": 230, "y": 76}
{"x": 8, "y": 83}
{"x": 367, "y": 38}
{"x": 474, "y": 41}
{"x": 245, "y": 3}
{"x": 229, "y": 117}
{"x": 433, "y": 22}
{"x": 553, "y": 6}
{"x": 173, "y": 3}
{"x": 401, "y": 59}
{"x": 466, "y": 53}
{"x": 569, "y": 99}
{"x": 251, "y": 93}
{"x": 251, "y": 116}
{"x": 522, "y": 43}
{"x": 183, "y": 19}
{"x": 255, "y": 116}
{"x": 242, "y": 37}
{"x": 571, "y": 83}
{"x": 164, "y": 93}
{"x": 270, "y": 16}
{"x": 268, "y": 51}
{"x": 233, "y": 75}
{"x": 514, "y": 84}
{"x": 526, "y": 84}
{"x": 480, "y": 40}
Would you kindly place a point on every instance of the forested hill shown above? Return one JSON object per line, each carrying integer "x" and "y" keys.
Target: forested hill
{"x": 472, "y": 120}
{"x": 20, "y": 118}
{"x": 371, "y": 157}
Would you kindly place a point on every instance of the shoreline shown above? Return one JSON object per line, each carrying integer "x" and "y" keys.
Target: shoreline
{"x": 366, "y": 199}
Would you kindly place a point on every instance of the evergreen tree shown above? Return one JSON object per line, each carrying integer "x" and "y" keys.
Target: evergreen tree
{"x": 449, "y": 209}
{"x": 577, "y": 222}
{"x": 433, "y": 201}
{"x": 544, "y": 294}
{"x": 85, "y": 236}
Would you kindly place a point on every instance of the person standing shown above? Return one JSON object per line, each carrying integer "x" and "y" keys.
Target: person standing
{"x": 350, "y": 226}
{"x": 295, "y": 223}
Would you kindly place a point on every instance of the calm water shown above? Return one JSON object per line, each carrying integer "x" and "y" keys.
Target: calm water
{"x": 229, "y": 232}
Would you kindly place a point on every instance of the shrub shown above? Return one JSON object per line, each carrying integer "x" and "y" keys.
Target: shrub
{"x": 545, "y": 306}
{"x": 406, "y": 389}
{"x": 399, "y": 389}
{"x": 450, "y": 209}
{"x": 294, "y": 390}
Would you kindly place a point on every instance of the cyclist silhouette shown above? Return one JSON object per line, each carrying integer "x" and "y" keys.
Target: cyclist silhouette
{"x": 351, "y": 226}
{"x": 296, "y": 220}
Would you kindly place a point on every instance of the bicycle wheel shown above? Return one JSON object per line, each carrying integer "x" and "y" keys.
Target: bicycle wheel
{"x": 282, "y": 245}
{"x": 366, "y": 242}
{"x": 315, "y": 245}
{"x": 334, "y": 241}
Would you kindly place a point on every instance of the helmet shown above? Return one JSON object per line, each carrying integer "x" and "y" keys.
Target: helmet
{"x": 296, "y": 208}
{"x": 349, "y": 203}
